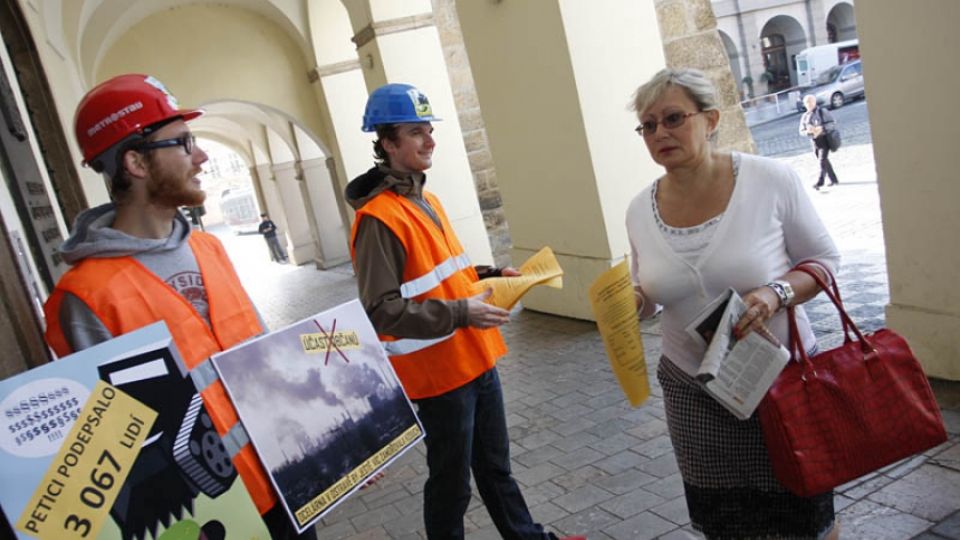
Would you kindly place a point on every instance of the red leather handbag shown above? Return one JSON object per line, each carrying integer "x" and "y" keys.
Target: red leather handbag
{"x": 847, "y": 411}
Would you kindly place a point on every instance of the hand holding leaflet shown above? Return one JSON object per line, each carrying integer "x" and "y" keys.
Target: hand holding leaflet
{"x": 614, "y": 307}
{"x": 540, "y": 269}
{"x": 736, "y": 372}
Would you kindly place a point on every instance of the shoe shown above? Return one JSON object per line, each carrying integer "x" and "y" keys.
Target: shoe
{"x": 834, "y": 183}
{"x": 816, "y": 187}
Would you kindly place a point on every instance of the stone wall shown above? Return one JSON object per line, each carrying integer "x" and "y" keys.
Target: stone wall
{"x": 691, "y": 39}
{"x": 474, "y": 133}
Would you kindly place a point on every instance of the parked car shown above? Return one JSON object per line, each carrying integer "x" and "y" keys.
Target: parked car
{"x": 836, "y": 86}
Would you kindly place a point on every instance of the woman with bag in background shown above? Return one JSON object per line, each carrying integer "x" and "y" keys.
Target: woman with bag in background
{"x": 717, "y": 220}
{"x": 818, "y": 124}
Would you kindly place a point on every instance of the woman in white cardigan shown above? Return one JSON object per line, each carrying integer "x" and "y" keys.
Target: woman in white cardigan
{"x": 717, "y": 220}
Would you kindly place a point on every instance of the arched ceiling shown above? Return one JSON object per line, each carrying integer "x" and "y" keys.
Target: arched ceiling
{"x": 97, "y": 24}
{"x": 240, "y": 122}
{"x": 90, "y": 29}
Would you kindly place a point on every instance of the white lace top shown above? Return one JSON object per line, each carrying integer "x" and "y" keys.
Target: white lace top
{"x": 689, "y": 242}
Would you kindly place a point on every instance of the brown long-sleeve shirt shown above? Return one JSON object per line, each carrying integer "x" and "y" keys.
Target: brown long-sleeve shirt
{"x": 380, "y": 258}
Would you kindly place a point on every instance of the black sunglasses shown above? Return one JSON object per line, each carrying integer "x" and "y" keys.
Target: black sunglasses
{"x": 188, "y": 142}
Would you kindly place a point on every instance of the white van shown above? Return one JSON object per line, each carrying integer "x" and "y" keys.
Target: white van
{"x": 813, "y": 61}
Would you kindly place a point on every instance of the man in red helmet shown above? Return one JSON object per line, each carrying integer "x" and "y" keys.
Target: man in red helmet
{"x": 136, "y": 261}
{"x": 416, "y": 284}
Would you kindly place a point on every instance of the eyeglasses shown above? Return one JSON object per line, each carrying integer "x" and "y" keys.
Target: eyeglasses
{"x": 188, "y": 142}
{"x": 670, "y": 121}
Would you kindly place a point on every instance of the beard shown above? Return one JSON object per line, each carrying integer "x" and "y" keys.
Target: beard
{"x": 169, "y": 189}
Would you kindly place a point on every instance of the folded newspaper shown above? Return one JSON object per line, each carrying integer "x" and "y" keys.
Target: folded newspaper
{"x": 736, "y": 372}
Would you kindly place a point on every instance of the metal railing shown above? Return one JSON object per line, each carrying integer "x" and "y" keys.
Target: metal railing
{"x": 771, "y": 106}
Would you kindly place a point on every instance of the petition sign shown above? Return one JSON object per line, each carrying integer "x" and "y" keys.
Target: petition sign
{"x": 114, "y": 442}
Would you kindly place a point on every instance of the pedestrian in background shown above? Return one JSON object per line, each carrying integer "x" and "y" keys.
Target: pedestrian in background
{"x": 417, "y": 286}
{"x": 717, "y": 220}
{"x": 269, "y": 231}
{"x": 816, "y": 124}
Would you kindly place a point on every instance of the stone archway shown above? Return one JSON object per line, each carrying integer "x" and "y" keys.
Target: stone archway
{"x": 781, "y": 39}
{"x": 293, "y": 173}
{"x": 841, "y": 23}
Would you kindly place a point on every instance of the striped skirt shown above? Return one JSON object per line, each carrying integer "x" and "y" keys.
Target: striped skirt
{"x": 727, "y": 478}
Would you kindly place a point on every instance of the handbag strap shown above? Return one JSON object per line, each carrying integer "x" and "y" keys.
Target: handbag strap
{"x": 833, "y": 286}
{"x": 833, "y": 293}
{"x": 797, "y": 353}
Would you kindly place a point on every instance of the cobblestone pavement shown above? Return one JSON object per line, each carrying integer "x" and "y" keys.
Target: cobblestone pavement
{"x": 587, "y": 462}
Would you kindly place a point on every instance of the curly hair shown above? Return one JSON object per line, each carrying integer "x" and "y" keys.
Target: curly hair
{"x": 384, "y": 131}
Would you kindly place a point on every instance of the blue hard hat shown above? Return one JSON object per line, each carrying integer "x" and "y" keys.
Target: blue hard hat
{"x": 396, "y": 103}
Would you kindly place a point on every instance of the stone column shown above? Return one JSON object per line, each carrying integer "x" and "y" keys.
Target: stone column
{"x": 690, "y": 39}
{"x": 553, "y": 79}
{"x": 917, "y": 176}
{"x": 753, "y": 51}
{"x": 342, "y": 93}
{"x": 474, "y": 131}
{"x": 331, "y": 234}
{"x": 301, "y": 247}
{"x": 818, "y": 18}
{"x": 309, "y": 210}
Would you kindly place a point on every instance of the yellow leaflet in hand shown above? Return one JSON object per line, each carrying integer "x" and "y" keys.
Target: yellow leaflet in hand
{"x": 540, "y": 269}
{"x": 614, "y": 307}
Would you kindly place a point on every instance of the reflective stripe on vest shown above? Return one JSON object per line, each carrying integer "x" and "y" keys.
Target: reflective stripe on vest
{"x": 422, "y": 285}
{"x": 435, "y": 268}
{"x": 407, "y": 345}
{"x": 433, "y": 278}
{"x": 203, "y": 375}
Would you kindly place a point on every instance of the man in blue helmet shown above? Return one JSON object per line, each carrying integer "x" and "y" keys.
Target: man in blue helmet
{"x": 417, "y": 285}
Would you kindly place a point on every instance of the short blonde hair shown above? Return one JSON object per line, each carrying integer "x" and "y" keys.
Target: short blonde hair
{"x": 694, "y": 82}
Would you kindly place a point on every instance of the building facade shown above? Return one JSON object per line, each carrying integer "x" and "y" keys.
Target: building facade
{"x": 763, "y": 37}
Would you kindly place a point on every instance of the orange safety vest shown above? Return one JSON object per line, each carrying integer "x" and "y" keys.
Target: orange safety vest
{"x": 437, "y": 268}
{"x": 126, "y": 296}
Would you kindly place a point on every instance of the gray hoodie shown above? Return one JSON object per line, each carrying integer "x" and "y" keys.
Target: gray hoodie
{"x": 170, "y": 258}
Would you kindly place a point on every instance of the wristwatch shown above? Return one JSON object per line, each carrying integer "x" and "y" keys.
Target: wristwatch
{"x": 784, "y": 292}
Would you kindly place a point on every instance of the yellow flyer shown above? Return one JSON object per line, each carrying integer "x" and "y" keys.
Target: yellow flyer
{"x": 540, "y": 269}
{"x": 614, "y": 307}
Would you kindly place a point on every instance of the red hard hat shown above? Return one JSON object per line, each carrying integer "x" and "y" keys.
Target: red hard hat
{"x": 120, "y": 107}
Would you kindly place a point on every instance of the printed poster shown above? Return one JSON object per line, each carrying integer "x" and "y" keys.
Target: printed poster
{"x": 322, "y": 406}
{"x": 113, "y": 442}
